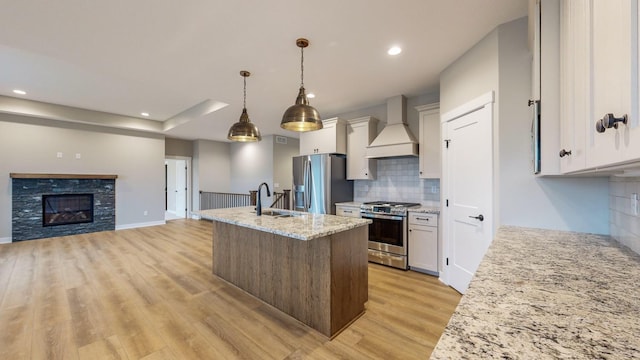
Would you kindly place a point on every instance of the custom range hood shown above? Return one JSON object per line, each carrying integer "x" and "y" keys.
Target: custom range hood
{"x": 395, "y": 140}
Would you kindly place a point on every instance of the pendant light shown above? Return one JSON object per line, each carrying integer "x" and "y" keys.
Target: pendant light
{"x": 301, "y": 116}
{"x": 244, "y": 130}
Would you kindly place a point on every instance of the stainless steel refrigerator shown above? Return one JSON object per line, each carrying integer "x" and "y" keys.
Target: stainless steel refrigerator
{"x": 319, "y": 182}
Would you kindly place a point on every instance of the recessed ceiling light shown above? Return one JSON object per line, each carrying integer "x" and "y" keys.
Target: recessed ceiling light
{"x": 311, "y": 95}
{"x": 395, "y": 50}
{"x": 20, "y": 92}
{"x": 144, "y": 113}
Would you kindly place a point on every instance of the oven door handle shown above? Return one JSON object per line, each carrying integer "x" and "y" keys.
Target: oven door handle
{"x": 381, "y": 216}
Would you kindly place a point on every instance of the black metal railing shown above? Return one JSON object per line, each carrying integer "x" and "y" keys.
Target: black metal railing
{"x": 218, "y": 200}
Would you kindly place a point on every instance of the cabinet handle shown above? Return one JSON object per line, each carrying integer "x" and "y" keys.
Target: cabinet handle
{"x": 348, "y": 211}
{"x": 564, "y": 153}
{"x": 609, "y": 121}
{"x": 419, "y": 218}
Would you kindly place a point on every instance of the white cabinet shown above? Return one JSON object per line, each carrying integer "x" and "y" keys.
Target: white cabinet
{"x": 430, "y": 144}
{"x": 614, "y": 89}
{"x": 599, "y": 76}
{"x": 423, "y": 242}
{"x": 360, "y": 133}
{"x": 348, "y": 210}
{"x": 575, "y": 93}
{"x": 331, "y": 139}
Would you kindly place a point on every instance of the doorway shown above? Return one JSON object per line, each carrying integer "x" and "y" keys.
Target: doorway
{"x": 467, "y": 189}
{"x": 177, "y": 188}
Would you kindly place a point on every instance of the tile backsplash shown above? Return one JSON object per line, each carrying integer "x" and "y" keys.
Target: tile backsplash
{"x": 398, "y": 180}
{"x": 624, "y": 222}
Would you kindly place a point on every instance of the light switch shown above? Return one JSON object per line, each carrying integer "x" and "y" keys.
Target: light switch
{"x": 634, "y": 204}
{"x": 59, "y": 155}
{"x": 78, "y": 155}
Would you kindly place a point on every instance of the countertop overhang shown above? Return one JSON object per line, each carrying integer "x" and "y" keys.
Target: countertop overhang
{"x": 545, "y": 294}
{"x": 301, "y": 226}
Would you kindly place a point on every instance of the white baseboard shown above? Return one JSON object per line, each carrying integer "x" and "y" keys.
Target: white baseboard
{"x": 5, "y": 240}
{"x": 139, "y": 225}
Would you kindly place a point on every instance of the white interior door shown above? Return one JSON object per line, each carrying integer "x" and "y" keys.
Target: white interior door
{"x": 181, "y": 188}
{"x": 469, "y": 192}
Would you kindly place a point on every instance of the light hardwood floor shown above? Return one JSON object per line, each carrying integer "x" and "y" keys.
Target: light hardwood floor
{"x": 148, "y": 293}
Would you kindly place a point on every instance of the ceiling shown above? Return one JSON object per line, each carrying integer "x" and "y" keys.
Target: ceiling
{"x": 166, "y": 57}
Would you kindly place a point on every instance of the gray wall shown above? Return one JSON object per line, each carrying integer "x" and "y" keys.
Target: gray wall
{"x": 211, "y": 168}
{"x": 30, "y": 145}
{"x": 282, "y": 163}
{"x": 178, "y": 147}
{"x": 252, "y": 164}
{"x": 501, "y": 62}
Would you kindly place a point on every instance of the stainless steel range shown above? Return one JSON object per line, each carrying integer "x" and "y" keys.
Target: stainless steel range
{"x": 388, "y": 232}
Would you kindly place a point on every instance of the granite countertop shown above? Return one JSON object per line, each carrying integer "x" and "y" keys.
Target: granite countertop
{"x": 350, "y": 203}
{"x": 301, "y": 226}
{"x": 544, "y": 294}
{"x": 426, "y": 210}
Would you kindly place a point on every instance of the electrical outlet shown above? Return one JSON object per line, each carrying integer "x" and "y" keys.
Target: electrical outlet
{"x": 78, "y": 155}
{"x": 59, "y": 155}
{"x": 634, "y": 204}
{"x": 146, "y": 213}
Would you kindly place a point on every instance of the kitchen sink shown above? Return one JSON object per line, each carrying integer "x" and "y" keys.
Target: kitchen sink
{"x": 279, "y": 213}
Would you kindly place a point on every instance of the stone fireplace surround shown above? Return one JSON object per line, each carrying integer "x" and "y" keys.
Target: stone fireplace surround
{"x": 27, "y": 191}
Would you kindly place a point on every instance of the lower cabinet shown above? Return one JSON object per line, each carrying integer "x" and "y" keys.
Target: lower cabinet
{"x": 423, "y": 242}
{"x": 348, "y": 210}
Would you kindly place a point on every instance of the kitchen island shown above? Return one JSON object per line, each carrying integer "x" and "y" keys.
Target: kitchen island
{"x": 312, "y": 267}
{"x": 544, "y": 294}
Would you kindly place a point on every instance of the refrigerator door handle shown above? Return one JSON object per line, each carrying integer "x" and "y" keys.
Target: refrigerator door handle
{"x": 308, "y": 186}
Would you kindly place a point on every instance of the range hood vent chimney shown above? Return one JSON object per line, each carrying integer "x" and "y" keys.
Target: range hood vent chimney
{"x": 395, "y": 140}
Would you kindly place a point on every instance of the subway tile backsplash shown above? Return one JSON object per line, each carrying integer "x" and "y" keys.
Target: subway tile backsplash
{"x": 624, "y": 223}
{"x": 398, "y": 180}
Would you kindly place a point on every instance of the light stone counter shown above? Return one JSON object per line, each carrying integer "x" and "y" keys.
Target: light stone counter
{"x": 350, "y": 203}
{"x": 426, "y": 210}
{"x": 543, "y": 294}
{"x": 302, "y": 226}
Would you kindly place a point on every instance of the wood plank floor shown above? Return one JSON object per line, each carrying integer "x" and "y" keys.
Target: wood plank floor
{"x": 148, "y": 293}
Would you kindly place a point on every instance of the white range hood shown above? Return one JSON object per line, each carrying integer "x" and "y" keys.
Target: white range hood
{"x": 395, "y": 140}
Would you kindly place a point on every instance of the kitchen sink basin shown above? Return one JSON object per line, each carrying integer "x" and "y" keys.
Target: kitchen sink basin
{"x": 278, "y": 213}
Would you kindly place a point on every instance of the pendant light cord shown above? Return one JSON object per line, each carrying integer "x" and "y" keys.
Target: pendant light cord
{"x": 302, "y": 67}
{"x": 244, "y": 103}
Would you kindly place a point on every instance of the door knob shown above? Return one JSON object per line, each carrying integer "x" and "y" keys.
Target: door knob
{"x": 479, "y": 217}
{"x": 564, "y": 153}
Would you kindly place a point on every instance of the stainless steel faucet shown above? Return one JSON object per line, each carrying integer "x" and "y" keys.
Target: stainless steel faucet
{"x": 258, "y": 201}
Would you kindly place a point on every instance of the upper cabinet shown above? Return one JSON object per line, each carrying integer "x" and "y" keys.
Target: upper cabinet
{"x": 331, "y": 139}
{"x": 615, "y": 72}
{"x": 575, "y": 93}
{"x": 599, "y": 84}
{"x": 360, "y": 133}
{"x": 430, "y": 144}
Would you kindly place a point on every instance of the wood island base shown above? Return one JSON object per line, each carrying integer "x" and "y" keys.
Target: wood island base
{"x": 322, "y": 282}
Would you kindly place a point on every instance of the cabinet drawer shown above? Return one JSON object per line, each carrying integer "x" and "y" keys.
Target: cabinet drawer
{"x": 423, "y": 219}
{"x": 347, "y": 211}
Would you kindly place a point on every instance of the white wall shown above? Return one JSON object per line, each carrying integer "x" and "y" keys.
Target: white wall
{"x": 501, "y": 62}
{"x": 30, "y": 145}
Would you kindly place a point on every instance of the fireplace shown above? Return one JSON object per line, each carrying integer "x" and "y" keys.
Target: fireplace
{"x": 64, "y": 209}
{"x": 50, "y": 205}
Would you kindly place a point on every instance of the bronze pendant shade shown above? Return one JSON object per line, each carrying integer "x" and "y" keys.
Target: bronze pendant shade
{"x": 244, "y": 130}
{"x": 301, "y": 116}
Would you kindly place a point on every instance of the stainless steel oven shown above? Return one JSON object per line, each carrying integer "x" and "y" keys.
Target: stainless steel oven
{"x": 387, "y": 232}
